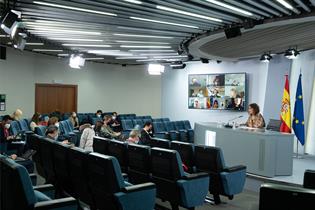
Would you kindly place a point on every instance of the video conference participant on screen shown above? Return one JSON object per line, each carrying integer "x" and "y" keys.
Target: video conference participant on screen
{"x": 255, "y": 119}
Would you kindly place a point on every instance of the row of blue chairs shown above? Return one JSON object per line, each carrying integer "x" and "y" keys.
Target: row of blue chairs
{"x": 135, "y": 161}
{"x": 177, "y": 130}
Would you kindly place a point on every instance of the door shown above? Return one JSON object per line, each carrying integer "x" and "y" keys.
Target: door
{"x": 51, "y": 97}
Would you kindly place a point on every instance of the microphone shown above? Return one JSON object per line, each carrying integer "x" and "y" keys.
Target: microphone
{"x": 227, "y": 125}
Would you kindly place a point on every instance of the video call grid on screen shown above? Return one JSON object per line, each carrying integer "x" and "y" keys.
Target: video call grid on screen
{"x": 217, "y": 91}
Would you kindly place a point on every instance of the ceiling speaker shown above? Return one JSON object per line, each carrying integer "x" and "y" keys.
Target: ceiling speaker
{"x": 232, "y": 32}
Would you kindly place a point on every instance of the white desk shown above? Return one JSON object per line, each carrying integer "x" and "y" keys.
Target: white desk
{"x": 265, "y": 153}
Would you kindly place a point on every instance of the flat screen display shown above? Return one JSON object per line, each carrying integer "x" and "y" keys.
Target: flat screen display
{"x": 217, "y": 91}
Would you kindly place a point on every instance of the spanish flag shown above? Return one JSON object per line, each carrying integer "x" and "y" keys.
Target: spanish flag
{"x": 285, "y": 114}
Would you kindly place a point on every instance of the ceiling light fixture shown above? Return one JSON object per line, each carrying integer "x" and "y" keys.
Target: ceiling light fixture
{"x": 188, "y": 13}
{"x": 91, "y": 59}
{"x": 156, "y": 69}
{"x": 57, "y": 30}
{"x": 230, "y": 7}
{"x": 76, "y": 61}
{"x": 34, "y": 44}
{"x": 143, "y": 36}
{"x": 140, "y": 42}
{"x": 46, "y": 50}
{"x": 85, "y": 45}
{"x": 151, "y": 50}
{"x": 163, "y": 22}
{"x": 157, "y": 54}
{"x": 63, "y": 55}
{"x": 74, "y": 8}
{"x": 134, "y": 1}
{"x": 109, "y": 52}
{"x": 285, "y": 4}
{"x": 73, "y": 39}
{"x": 131, "y": 57}
{"x": 144, "y": 46}
{"x": 265, "y": 58}
{"x": 291, "y": 53}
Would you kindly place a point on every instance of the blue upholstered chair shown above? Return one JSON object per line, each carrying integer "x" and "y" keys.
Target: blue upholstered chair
{"x": 227, "y": 181}
{"x": 187, "y": 153}
{"x": 67, "y": 132}
{"x": 100, "y": 145}
{"x": 170, "y": 128}
{"x": 15, "y": 128}
{"x": 138, "y": 122}
{"x": 110, "y": 191}
{"x": 175, "y": 186}
{"x": 183, "y": 133}
{"x": 159, "y": 130}
{"x": 157, "y": 120}
{"x": 118, "y": 149}
{"x": 24, "y": 125}
{"x": 161, "y": 143}
{"x": 165, "y": 119}
{"x": 96, "y": 119}
{"x": 190, "y": 131}
{"x": 40, "y": 130}
{"x": 127, "y": 125}
{"x": 17, "y": 191}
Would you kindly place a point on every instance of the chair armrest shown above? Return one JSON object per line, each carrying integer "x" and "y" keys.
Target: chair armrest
{"x": 234, "y": 168}
{"x": 139, "y": 187}
{"x": 195, "y": 176}
{"x": 47, "y": 189}
{"x": 28, "y": 132}
{"x": 70, "y": 204}
{"x": 33, "y": 178}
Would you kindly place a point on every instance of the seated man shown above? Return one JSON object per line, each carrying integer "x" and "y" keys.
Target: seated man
{"x": 53, "y": 134}
{"x": 145, "y": 138}
{"x": 107, "y": 130}
{"x": 114, "y": 123}
{"x": 99, "y": 113}
{"x": 133, "y": 137}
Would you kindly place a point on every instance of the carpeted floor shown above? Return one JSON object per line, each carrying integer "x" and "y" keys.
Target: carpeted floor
{"x": 245, "y": 201}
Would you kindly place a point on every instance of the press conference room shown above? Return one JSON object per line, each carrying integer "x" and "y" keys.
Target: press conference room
{"x": 157, "y": 104}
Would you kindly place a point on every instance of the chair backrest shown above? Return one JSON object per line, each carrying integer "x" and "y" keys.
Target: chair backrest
{"x": 209, "y": 159}
{"x": 118, "y": 149}
{"x": 65, "y": 128}
{"x": 166, "y": 164}
{"x": 23, "y": 125}
{"x": 69, "y": 125}
{"x": 161, "y": 143}
{"x": 127, "y": 124}
{"x": 100, "y": 145}
{"x": 274, "y": 125}
{"x": 187, "y": 124}
{"x": 139, "y": 158}
{"x": 46, "y": 155}
{"x": 165, "y": 119}
{"x": 105, "y": 179}
{"x": 96, "y": 119}
{"x": 158, "y": 127}
{"x": 15, "y": 128}
{"x": 186, "y": 152}
{"x": 309, "y": 179}
{"x": 179, "y": 125}
{"x": 35, "y": 144}
{"x": 16, "y": 186}
{"x": 169, "y": 126}
{"x": 40, "y": 130}
{"x": 288, "y": 197}
{"x": 138, "y": 122}
{"x": 157, "y": 120}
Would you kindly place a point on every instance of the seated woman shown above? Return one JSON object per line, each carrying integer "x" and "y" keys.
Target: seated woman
{"x": 35, "y": 121}
{"x": 74, "y": 120}
{"x": 255, "y": 119}
{"x": 52, "y": 133}
{"x": 17, "y": 115}
{"x": 86, "y": 141}
{"x": 133, "y": 137}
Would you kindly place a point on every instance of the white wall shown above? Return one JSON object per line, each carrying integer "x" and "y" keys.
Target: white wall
{"x": 100, "y": 86}
{"x": 175, "y": 90}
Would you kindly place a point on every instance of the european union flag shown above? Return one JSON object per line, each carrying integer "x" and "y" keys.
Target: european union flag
{"x": 298, "y": 116}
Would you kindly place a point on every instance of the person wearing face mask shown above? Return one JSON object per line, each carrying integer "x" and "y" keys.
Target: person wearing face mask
{"x": 107, "y": 130}
{"x": 145, "y": 136}
{"x": 52, "y": 133}
{"x": 5, "y": 137}
{"x": 74, "y": 120}
{"x": 99, "y": 113}
{"x": 115, "y": 123}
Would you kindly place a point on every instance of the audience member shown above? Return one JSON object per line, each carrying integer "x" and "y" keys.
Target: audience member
{"x": 57, "y": 114}
{"x": 106, "y": 129}
{"x": 35, "y": 121}
{"x": 45, "y": 121}
{"x": 86, "y": 141}
{"x": 145, "y": 137}
{"x": 5, "y": 136}
{"x": 98, "y": 127}
{"x": 99, "y": 113}
{"x": 53, "y": 121}
{"x": 115, "y": 123}
{"x": 52, "y": 133}
{"x": 133, "y": 137}
{"x": 17, "y": 115}
{"x": 74, "y": 120}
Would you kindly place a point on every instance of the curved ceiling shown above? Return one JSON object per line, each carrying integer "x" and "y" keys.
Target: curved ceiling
{"x": 137, "y": 31}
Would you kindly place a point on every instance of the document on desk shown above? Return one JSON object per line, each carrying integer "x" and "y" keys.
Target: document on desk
{"x": 251, "y": 129}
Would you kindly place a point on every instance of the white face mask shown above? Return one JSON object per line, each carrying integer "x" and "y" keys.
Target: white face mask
{"x": 57, "y": 124}
{"x": 7, "y": 126}
{"x": 114, "y": 117}
{"x": 99, "y": 115}
{"x": 74, "y": 115}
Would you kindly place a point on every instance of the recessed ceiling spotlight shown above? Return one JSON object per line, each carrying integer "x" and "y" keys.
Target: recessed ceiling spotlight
{"x": 265, "y": 58}
{"x": 291, "y": 53}
{"x": 163, "y": 22}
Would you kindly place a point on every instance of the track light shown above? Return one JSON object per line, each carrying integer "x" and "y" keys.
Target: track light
{"x": 219, "y": 61}
{"x": 204, "y": 60}
{"x": 266, "y": 57}
{"x": 10, "y": 21}
{"x": 291, "y": 53}
{"x": 76, "y": 61}
{"x": 178, "y": 65}
{"x": 19, "y": 39}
